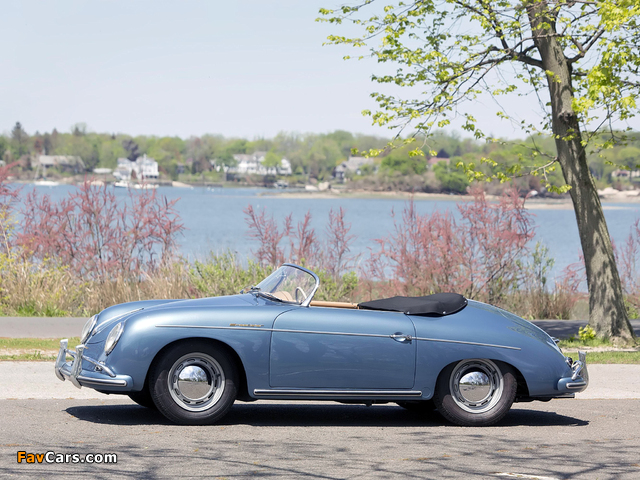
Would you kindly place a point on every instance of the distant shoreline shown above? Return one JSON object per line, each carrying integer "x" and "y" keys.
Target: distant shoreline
{"x": 627, "y": 199}
{"x": 530, "y": 204}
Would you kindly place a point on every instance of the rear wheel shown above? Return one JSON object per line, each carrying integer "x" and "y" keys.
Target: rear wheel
{"x": 194, "y": 383}
{"x": 475, "y": 392}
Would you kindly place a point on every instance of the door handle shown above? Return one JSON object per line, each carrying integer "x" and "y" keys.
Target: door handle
{"x": 401, "y": 337}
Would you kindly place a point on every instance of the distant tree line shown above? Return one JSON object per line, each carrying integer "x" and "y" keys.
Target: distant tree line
{"x": 311, "y": 155}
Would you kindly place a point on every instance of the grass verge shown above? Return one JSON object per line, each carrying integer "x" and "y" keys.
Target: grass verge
{"x": 32, "y": 349}
{"x": 608, "y": 357}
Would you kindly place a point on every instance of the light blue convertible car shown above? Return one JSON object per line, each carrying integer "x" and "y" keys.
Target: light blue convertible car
{"x": 191, "y": 359}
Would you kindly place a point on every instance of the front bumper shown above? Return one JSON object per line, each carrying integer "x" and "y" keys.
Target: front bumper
{"x": 95, "y": 374}
{"x": 579, "y": 380}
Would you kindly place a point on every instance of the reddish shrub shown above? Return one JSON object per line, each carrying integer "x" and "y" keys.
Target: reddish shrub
{"x": 98, "y": 237}
{"x": 8, "y": 198}
{"x": 626, "y": 260}
{"x": 336, "y": 256}
{"x": 476, "y": 256}
{"x": 495, "y": 237}
{"x": 304, "y": 246}
{"x": 265, "y": 230}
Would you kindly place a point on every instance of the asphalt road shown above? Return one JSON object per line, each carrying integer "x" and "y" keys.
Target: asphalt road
{"x": 565, "y": 328}
{"x": 585, "y": 439}
{"x": 48, "y": 327}
{"x": 562, "y": 439}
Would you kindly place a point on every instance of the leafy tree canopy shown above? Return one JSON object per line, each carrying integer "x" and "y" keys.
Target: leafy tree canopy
{"x": 448, "y": 52}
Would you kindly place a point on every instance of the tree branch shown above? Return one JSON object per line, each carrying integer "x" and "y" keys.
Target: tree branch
{"x": 584, "y": 48}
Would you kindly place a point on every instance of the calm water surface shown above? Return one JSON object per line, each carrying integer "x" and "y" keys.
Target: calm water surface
{"x": 215, "y": 221}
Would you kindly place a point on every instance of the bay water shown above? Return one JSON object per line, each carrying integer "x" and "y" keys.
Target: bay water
{"x": 215, "y": 222}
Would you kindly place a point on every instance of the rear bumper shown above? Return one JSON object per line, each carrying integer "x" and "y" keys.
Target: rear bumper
{"x": 99, "y": 377}
{"x": 579, "y": 380}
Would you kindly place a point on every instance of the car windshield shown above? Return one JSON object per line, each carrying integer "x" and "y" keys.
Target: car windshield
{"x": 289, "y": 283}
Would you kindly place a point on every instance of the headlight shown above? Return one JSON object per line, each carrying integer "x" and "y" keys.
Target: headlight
{"x": 88, "y": 328}
{"x": 113, "y": 337}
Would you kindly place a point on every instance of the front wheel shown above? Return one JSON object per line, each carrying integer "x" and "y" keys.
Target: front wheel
{"x": 193, "y": 383}
{"x": 475, "y": 392}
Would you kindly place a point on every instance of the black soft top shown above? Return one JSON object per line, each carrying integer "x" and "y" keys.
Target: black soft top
{"x": 438, "y": 304}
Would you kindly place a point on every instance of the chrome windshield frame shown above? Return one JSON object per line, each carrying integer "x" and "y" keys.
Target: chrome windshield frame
{"x": 307, "y": 301}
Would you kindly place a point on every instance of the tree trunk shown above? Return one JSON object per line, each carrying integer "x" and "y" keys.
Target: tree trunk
{"x": 607, "y": 312}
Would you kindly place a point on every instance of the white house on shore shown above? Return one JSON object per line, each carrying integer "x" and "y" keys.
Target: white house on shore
{"x": 145, "y": 168}
{"x": 253, "y": 164}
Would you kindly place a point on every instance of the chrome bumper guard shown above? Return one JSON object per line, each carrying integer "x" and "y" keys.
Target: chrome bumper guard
{"x": 73, "y": 370}
{"x": 579, "y": 380}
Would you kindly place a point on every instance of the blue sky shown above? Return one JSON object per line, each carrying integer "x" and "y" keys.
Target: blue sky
{"x": 244, "y": 68}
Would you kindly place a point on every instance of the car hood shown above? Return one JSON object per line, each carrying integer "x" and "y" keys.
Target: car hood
{"x": 112, "y": 315}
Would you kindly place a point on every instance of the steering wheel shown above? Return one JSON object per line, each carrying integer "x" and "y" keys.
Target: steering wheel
{"x": 304, "y": 295}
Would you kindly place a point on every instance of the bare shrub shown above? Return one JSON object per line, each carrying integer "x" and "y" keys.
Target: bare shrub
{"x": 336, "y": 258}
{"x": 8, "y": 198}
{"x": 627, "y": 261}
{"x": 476, "y": 256}
{"x": 304, "y": 246}
{"x": 304, "y": 243}
{"x": 98, "y": 237}
{"x": 495, "y": 237}
{"x": 265, "y": 230}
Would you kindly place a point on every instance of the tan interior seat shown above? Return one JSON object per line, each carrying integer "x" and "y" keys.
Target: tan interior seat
{"x": 282, "y": 295}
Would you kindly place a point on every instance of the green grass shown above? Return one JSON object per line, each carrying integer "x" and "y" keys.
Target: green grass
{"x": 571, "y": 346}
{"x": 29, "y": 357}
{"x": 35, "y": 349}
{"x": 35, "y": 343}
{"x": 576, "y": 343}
{"x": 609, "y": 357}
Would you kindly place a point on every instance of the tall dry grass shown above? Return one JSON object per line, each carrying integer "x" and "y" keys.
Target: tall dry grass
{"x": 42, "y": 288}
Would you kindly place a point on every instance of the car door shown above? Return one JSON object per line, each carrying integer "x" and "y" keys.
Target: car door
{"x": 318, "y": 347}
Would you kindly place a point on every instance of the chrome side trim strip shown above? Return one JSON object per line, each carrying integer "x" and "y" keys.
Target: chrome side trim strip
{"x": 282, "y": 330}
{"x": 214, "y": 327}
{"x": 468, "y": 343}
{"x": 338, "y": 393}
{"x": 349, "y": 334}
{"x": 279, "y": 330}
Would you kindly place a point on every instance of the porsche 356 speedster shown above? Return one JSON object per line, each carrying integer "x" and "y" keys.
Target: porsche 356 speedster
{"x": 191, "y": 359}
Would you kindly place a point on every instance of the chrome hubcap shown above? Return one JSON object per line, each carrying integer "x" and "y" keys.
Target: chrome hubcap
{"x": 196, "y": 382}
{"x": 476, "y": 385}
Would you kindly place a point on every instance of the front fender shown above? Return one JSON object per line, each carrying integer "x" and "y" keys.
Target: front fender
{"x": 246, "y": 330}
